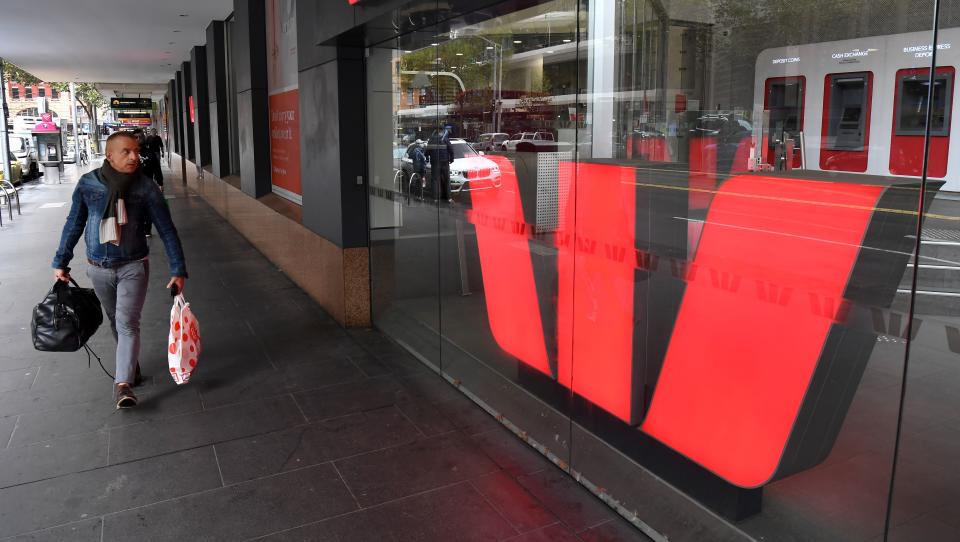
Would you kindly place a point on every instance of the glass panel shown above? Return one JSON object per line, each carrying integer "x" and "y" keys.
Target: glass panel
{"x": 725, "y": 289}
{"x": 926, "y": 489}
{"x": 681, "y": 264}
{"x": 513, "y": 74}
{"x": 404, "y": 232}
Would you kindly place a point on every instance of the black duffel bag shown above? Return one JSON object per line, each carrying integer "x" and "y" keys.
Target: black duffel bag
{"x": 66, "y": 318}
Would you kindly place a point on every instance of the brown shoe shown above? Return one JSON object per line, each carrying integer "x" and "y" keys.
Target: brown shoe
{"x": 124, "y": 396}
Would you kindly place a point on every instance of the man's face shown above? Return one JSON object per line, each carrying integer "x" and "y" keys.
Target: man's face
{"x": 123, "y": 154}
{"x": 153, "y": 131}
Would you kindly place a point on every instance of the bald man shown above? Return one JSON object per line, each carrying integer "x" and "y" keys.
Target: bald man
{"x": 112, "y": 205}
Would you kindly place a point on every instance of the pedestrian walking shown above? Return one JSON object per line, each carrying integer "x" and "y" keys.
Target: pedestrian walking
{"x": 154, "y": 144}
{"x": 111, "y": 205}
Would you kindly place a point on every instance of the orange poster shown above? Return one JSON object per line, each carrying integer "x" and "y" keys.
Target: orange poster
{"x": 285, "y": 140}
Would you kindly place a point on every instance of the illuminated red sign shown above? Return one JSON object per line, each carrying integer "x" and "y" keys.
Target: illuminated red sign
{"x": 745, "y": 345}
{"x": 190, "y": 108}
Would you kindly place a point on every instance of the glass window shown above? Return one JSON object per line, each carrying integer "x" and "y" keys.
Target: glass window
{"x": 913, "y": 94}
{"x": 29, "y": 91}
{"x": 647, "y": 275}
{"x": 15, "y": 92}
{"x": 54, "y": 93}
{"x": 41, "y": 91}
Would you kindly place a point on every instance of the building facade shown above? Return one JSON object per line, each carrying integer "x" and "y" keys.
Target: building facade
{"x": 711, "y": 271}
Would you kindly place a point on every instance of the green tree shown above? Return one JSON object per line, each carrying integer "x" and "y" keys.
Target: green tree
{"x": 12, "y": 72}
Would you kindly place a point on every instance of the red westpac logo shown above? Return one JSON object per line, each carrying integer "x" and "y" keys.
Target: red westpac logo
{"x": 745, "y": 342}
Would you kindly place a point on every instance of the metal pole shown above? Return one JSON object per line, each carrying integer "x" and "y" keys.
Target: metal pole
{"x": 73, "y": 118}
{"x": 4, "y": 112}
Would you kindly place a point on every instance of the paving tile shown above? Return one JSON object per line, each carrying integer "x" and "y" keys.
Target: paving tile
{"x": 452, "y": 513}
{"x": 426, "y": 464}
{"x": 468, "y": 416}
{"x": 514, "y": 503}
{"x": 208, "y": 427}
{"x": 81, "y": 531}
{"x": 352, "y": 397}
{"x": 615, "y": 530}
{"x": 427, "y": 417}
{"x": 7, "y": 425}
{"x": 237, "y": 512}
{"x": 54, "y": 458}
{"x": 430, "y": 386}
{"x": 551, "y": 533}
{"x": 52, "y": 397}
{"x": 298, "y": 447}
{"x": 394, "y": 363}
{"x": 925, "y": 527}
{"x": 156, "y": 403}
{"x": 30, "y": 507}
{"x": 568, "y": 500}
{"x": 17, "y": 379}
{"x": 303, "y": 376}
{"x": 510, "y": 453}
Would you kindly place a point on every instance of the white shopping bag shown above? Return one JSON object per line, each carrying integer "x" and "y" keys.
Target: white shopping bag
{"x": 183, "y": 345}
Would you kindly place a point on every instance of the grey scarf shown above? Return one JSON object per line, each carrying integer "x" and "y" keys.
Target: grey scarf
{"x": 115, "y": 212}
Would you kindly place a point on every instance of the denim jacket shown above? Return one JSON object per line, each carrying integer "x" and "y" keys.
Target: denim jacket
{"x": 144, "y": 202}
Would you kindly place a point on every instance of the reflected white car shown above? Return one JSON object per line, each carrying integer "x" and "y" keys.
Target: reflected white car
{"x": 470, "y": 170}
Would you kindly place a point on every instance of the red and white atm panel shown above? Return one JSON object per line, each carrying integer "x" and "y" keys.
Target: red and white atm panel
{"x": 858, "y": 106}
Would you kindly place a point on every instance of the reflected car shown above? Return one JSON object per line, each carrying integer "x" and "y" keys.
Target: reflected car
{"x": 526, "y": 137}
{"x": 469, "y": 170}
{"x": 491, "y": 142}
{"x": 16, "y": 174}
{"x": 22, "y": 148}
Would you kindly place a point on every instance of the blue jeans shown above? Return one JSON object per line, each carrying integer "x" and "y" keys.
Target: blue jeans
{"x": 122, "y": 291}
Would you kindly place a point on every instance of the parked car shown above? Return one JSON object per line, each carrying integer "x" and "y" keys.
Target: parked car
{"x": 22, "y": 149}
{"x": 469, "y": 170}
{"x": 491, "y": 142}
{"x": 16, "y": 174}
{"x": 531, "y": 137}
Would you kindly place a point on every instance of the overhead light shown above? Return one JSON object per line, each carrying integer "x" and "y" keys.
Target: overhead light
{"x": 566, "y": 41}
{"x": 517, "y": 41}
{"x": 408, "y": 52}
{"x": 551, "y": 52}
{"x": 489, "y": 47}
{"x": 459, "y": 54}
{"x": 434, "y": 44}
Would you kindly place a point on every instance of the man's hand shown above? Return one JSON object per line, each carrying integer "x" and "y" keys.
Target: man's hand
{"x": 178, "y": 282}
{"x": 62, "y": 275}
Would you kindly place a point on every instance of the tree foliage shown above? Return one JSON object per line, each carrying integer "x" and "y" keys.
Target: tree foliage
{"x": 12, "y": 72}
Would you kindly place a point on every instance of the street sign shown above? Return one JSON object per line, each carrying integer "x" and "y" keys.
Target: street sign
{"x": 131, "y": 103}
{"x": 132, "y": 115}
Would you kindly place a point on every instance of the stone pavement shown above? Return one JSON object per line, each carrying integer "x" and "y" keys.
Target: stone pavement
{"x": 293, "y": 428}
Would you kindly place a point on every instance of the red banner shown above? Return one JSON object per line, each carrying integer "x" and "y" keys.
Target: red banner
{"x": 285, "y": 140}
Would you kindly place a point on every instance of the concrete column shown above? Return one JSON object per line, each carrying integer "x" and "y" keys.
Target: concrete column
{"x": 172, "y": 116}
{"x": 253, "y": 120}
{"x": 186, "y": 93}
{"x": 217, "y": 88}
{"x": 333, "y": 166}
{"x": 201, "y": 104}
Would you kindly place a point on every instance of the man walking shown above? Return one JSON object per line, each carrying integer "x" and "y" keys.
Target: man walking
{"x": 112, "y": 204}
{"x": 154, "y": 144}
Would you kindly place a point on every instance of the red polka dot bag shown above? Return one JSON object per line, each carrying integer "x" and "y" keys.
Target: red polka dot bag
{"x": 183, "y": 345}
